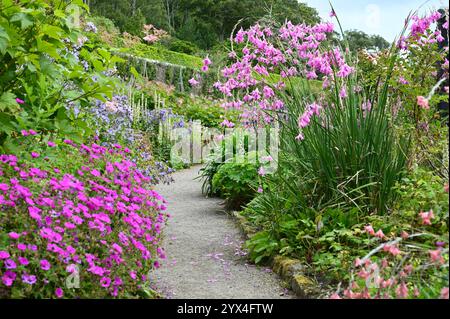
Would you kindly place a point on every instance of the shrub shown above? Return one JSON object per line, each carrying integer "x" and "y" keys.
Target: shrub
{"x": 48, "y": 68}
{"x": 219, "y": 156}
{"x": 236, "y": 182}
{"x": 76, "y": 210}
{"x": 209, "y": 114}
{"x": 161, "y": 54}
{"x": 177, "y": 45}
{"x": 411, "y": 264}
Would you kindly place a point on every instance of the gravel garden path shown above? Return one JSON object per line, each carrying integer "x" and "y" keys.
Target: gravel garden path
{"x": 203, "y": 248}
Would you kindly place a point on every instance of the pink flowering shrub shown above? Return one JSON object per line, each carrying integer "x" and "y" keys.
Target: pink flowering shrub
{"x": 403, "y": 264}
{"x": 404, "y": 255}
{"x": 153, "y": 34}
{"x": 71, "y": 210}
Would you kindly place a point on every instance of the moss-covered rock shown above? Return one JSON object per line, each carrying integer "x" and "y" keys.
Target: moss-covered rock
{"x": 304, "y": 287}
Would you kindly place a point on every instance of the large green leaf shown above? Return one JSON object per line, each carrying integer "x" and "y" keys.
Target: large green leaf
{"x": 52, "y": 31}
{"x": 48, "y": 48}
{"x": 7, "y": 101}
{"x": 6, "y": 123}
{"x": 24, "y": 19}
{"x": 4, "y": 40}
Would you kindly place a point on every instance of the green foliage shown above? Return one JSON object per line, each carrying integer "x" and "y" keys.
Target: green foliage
{"x": 236, "y": 182}
{"x": 330, "y": 240}
{"x": 39, "y": 64}
{"x": 422, "y": 188}
{"x": 177, "y": 45}
{"x": 349, "y": 158}
{"x": 209, "y": 114}
{"x": 160, "y": 53}
{"x": 262, "y": 246}
{"x": 221, "y": 155}
{"x": 359, "y": 40}
{"x": 203, "y": 22}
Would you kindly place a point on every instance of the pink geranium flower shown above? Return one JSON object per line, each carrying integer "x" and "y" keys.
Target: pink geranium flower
{"x": 14, "y": 235}
{"x": 29, "y": 279}
{"x": 105, "y": 282}
{"x": 10, "y": 264}
{"x": 4, "y": 254}
{"x": 23, "y": 261}
{"x": 8, "y": 278}
{"x": 44, "y": 264}
{"x": 207, "y": 62}
{"x": 59, "y": 292}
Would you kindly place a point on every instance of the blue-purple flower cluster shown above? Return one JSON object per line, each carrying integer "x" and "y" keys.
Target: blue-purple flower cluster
{"x": 90, "y": 27}
{"x": 157, "y": 116}
{"x": 114, "y": 119}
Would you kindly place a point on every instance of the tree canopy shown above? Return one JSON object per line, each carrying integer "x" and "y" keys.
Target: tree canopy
{"x": 358, "y": 40}
{"x": 203, "y": 22}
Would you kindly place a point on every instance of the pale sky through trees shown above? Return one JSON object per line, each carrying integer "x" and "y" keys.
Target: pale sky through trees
{"x": 383, "y": 17}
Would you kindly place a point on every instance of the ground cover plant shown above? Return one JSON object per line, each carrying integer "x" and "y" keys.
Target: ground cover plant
{"x": 95, "y": 216}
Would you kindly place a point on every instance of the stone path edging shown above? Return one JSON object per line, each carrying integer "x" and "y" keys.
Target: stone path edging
{"x": 291, "y": 270}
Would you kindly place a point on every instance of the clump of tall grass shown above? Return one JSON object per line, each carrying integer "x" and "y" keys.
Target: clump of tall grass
{"x": 350, "y": 155}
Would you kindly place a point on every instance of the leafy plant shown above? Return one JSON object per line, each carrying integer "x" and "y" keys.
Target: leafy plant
{"x": 47, "y": 65}
{"x": 177, "y": 45}
{"x": 236, "y": 182}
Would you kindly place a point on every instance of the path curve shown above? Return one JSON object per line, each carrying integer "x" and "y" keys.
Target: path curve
{"x": 202, "y": 244}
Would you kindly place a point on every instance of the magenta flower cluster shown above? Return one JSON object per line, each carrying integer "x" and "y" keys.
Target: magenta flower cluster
{"x": 97, "y": 214}
{"x": 421, "y": 31}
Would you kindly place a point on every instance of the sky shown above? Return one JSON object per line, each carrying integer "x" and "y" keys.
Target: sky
{"x": 383, "y": 17}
